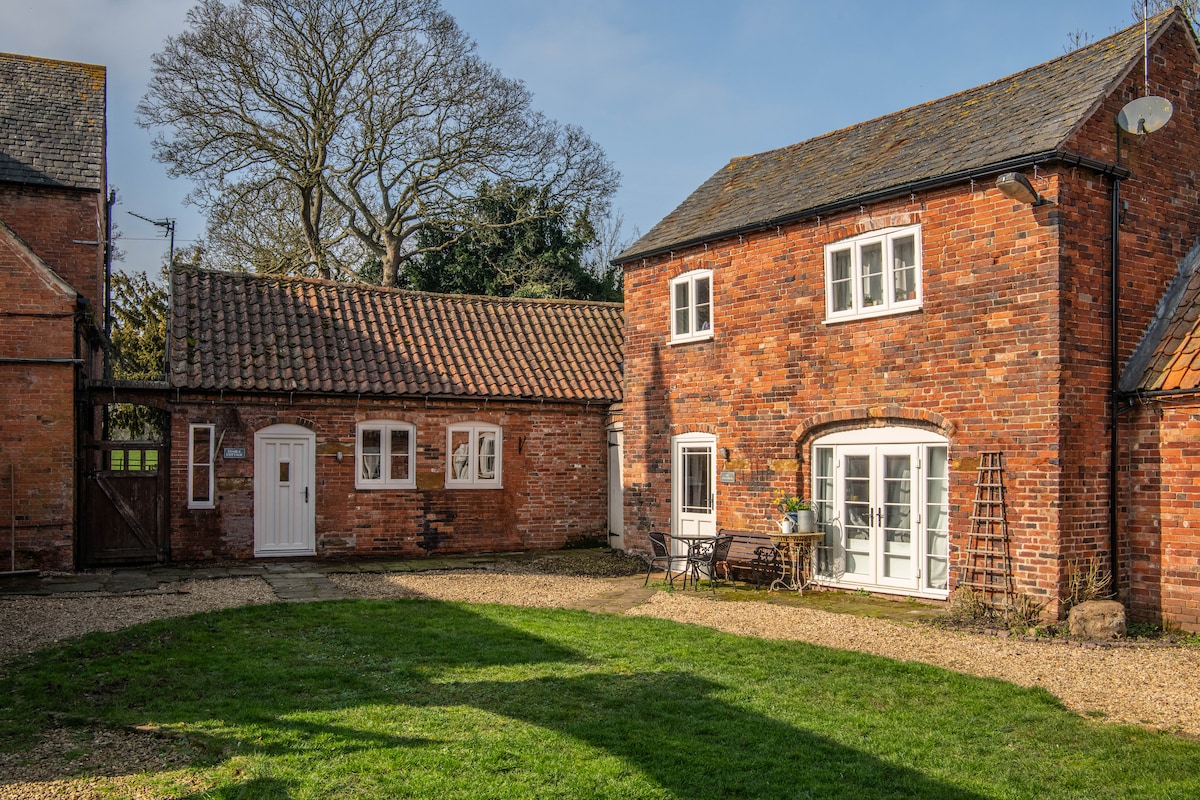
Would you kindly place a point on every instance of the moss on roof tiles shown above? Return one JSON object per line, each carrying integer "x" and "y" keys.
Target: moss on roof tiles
{"x": 395, "y": 342}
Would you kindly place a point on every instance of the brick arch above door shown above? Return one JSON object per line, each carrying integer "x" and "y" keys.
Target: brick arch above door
{"x": 871, "y": 417}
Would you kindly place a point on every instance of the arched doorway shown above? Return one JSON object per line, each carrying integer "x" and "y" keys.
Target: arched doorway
{"x": 881, "y": 497}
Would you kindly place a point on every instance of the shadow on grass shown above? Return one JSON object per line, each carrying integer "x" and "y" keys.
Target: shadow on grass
{"x": 370, "y": 692}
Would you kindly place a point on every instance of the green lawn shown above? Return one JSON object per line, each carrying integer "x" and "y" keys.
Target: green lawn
{"x": 435, "y": 700}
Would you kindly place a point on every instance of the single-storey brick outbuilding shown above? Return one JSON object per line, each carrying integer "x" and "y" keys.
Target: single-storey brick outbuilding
{"x": 317, "y": 418}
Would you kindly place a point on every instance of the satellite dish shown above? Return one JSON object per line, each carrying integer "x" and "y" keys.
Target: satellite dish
{"x": 1145, "y": 115}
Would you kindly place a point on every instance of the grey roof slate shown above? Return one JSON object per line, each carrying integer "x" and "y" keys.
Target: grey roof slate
{"x": 51, "y": 122}
{"x": 243, "y": 332}
{"x": 1026, "y": 114}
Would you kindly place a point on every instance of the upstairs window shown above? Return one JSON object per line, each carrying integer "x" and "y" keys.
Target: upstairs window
{"x": 384, "y": 454}
{"x": 874, "y": 274}
{"x": 473, "y": 453}
{"x": 691, "y": 306}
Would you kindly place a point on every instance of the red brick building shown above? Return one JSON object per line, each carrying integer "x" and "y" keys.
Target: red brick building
{"x": 53, "y": 223}
{"x": 316, "y": 418}
{"x": 857, "y": 318}
{"x": 1160, "y": 457}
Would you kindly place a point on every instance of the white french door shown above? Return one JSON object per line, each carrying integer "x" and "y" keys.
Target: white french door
{"x": 878, "y": 509}
{"x": 882, "y": 507}
{"x": 284, "y": 481}
{"x": 694, "y": 481}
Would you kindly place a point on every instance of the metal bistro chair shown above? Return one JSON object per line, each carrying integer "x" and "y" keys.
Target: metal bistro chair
{"x": 707, "y": 556}
{"x": 661, "y": 554}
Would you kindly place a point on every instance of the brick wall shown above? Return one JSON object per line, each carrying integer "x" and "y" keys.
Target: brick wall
{"x": 37, "y": 425}
{"x": 554, "y": 479}
{"x": 65, "y": 228}
{"x": 1009, "y": 352}
{"x": 1160, "y": 460}
{"x": 1160, "y": 222}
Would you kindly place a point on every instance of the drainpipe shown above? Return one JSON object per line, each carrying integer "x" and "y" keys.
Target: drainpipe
{"x": 1114, "y": 366}
{"x": 108, "y": 256}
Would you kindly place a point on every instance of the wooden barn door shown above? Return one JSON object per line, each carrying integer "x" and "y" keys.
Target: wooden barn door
{"x": 125, "y": 505}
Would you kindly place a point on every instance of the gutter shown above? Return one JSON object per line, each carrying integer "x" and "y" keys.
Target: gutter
{"x": 1160, "y": 394}
{"x": 16, "y": 360}
{"x": 1044, "y": 157}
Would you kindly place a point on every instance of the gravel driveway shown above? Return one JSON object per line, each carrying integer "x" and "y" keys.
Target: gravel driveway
{"x": 1154, "y": 686}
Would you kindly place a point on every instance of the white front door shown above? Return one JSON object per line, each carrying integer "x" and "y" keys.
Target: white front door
{"x": 882, "y": 507}
{"x": 694, "y": 479}
{"x": 284, "y": 484}
{"x": 616, "y": 490}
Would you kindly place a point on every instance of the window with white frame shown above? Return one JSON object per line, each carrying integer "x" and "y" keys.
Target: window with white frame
{"x": 691, "y": 306}
{"x": 873, "y": 274}
{"x": 384, "y": 454}
{"x": 473, "y": 456}
{"x": 201, "y": 482}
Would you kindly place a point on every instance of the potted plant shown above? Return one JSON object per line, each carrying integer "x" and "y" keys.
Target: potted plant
{"x": 798, "y": 511}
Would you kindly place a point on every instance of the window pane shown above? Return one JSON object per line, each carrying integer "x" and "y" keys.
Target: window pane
{"x": 487, "y": 455}
{"x": 200, "y": 493}
{"x": 841, "y": 281}
{"x": 201, "y": 464}
{"x": 871, "y": 263}
{"x": 682, "y": 309}
{"x": 697, "y": 480}
{"x": 703, "y": 303}
{"x": 398, "y": 463}
{"x": 823, "y": 506}
{"x": 904, "y": 269}
{"x": 285, "y": 471}
{"x": 937, "y": 538}
{"x": 460, "y": 454}
{"x": 372, "y": 452}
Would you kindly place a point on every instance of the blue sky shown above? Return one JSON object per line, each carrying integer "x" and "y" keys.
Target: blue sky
{"x": 672, "y": 90}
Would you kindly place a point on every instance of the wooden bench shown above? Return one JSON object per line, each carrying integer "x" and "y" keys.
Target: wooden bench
{"x": 751, "y": 553}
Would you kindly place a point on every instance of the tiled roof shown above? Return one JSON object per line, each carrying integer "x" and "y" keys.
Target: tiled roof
{"x": 253, "y": 332}
{"x": 51, "y": 122}
{"x": 1168, "y": 357}
{"x": 1026, "y": 114}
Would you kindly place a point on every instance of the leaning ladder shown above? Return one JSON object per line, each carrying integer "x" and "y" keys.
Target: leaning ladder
{"x": 988, "y": 564}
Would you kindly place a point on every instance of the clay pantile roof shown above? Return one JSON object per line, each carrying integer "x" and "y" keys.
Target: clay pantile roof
{"x": 51, "y": 122}
{"x": 970, "y": 133}
{"x": 1168, "y": 357}
{"x": 241, "y": 332}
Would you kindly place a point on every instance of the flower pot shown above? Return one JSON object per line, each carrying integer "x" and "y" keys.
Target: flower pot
{"x": 806, "y": 521}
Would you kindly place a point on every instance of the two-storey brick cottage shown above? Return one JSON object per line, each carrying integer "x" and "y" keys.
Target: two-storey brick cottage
{"x": 53, "y": 229}
{"x": 858, "y": 317}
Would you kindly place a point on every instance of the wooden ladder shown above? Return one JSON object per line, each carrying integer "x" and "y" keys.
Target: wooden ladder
{"x": 988, "y": 565}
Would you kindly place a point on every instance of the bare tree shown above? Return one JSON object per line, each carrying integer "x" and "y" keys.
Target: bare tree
{"x": 368, "y": 117}
{"x": 1191, "y": 9}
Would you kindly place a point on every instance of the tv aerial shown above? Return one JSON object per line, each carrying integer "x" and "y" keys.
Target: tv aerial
{"x": 1149, "y": 113}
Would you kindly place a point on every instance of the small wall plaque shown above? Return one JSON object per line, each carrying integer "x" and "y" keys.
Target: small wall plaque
{"x": 727, "y": 475}
{"x": 233, "y": 452}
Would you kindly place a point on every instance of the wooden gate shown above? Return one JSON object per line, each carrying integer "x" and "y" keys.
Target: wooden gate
{"x": 125, "y": 504}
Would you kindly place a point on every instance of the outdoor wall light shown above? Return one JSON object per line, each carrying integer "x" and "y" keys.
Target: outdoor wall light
{"x": 1016, "y": 186}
